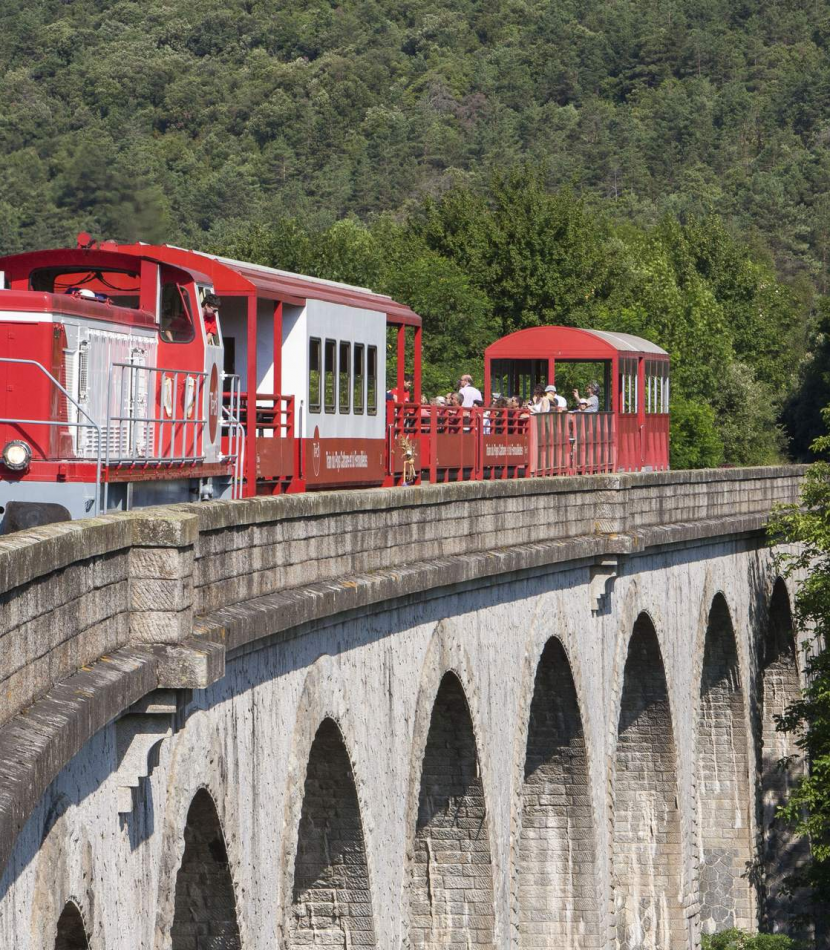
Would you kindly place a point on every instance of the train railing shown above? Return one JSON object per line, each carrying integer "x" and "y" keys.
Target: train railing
{"x": 165, "y": 421}
{"x": 449, "y": 443}
{"x": 572, "y": 443}
{"x": 274, "y": 433}
{"x": 232, "y": 441}
{"x": 24, "y": 424}
{"x": 594, "y": 446}
{"x": 155, "y": 417}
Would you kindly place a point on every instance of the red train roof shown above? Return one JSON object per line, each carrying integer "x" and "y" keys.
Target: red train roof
{"x": 238, "y": 277}
{"x": 571, "y": 343}
{"x": 226, "y": 275}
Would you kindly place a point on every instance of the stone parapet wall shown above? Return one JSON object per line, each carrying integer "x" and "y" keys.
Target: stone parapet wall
{"x": 75, "y": 592}
{"x": 257, "y": 547}
{"x": 72, "y": 593}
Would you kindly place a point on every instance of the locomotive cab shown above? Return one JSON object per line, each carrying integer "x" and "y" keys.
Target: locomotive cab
{"x": 109, "y": 385}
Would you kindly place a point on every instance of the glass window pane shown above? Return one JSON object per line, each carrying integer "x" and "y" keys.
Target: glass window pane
{"x": 372, "y": 381}
{"x": 330, "y": 382}
{"x": 314, "y": 375}
{"x": 358, "y": 378}
{"x": 345, "y": 369}
{"x": 176, "y": 323}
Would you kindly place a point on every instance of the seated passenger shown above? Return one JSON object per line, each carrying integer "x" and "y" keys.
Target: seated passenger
{"x": 557, "y": 403}
{"x": 592, "y": 398}
{"x": 540, "y": 402}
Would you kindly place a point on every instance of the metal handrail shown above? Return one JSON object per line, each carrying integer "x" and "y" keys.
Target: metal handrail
{"x": 236, "y": 432}
{"x": 53, "y": 422}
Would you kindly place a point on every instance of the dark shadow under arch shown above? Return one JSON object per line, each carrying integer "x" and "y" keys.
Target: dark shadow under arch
{"x": 723, "y": 782}
{"x": 558, "y": 904}
{"x": 205, "y": 914}
{"x": 782, "y": 853}
{"x": 647, "y": 841}
{"x": 71, "y": 933}
{"x": 450, "y": 885}
{"x": 331, "y": 903}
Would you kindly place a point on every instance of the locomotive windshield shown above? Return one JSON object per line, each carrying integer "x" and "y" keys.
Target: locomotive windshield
{"x": 176, "y": 324}
{"x": 120, "y": 286}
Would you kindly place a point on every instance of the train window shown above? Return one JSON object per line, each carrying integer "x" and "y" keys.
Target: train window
{"x": 628, "y": 386}
{"x": 329, "y": 381}
{"x": 657, "y": 386}
{"x": 314, "y": 347}
{"x": 119, "y": 287}
{"x": 345, "y": 370}
{"x": 372, "y": 381}
{"x": 176, "y": 323}
{"x": 358, "y": 378}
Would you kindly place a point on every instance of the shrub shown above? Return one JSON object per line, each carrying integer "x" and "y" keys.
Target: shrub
{"x": 741, "y": 940}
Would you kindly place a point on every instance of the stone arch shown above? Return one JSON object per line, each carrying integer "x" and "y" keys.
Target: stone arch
{"x": 647, "y": 866}
{"x": 558, "y": 904}
{"x": 724, "y": 831}
{"x": 331, "y": 896}
{"x": 71, "y": 931}
{"x": 781, "y": 852}
{"x": 450, "y": 879}
{"x": 205, "y": 905}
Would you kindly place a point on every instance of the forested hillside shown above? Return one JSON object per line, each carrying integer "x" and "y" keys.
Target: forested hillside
{"x": 676, "y": 152}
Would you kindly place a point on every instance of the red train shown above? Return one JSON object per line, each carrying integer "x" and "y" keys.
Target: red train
{"x": 120, "y": 388}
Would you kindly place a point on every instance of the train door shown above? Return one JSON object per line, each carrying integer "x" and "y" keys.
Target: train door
{"x": 211, "y": 327}
{"x": 180, "y": 379}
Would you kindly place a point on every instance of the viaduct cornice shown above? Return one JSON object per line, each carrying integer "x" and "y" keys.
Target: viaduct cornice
{"x": 100, "y": 613}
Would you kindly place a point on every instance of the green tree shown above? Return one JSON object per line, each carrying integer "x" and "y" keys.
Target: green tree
{"x": 806, "y": 526}
{"x": 740, "y": 940}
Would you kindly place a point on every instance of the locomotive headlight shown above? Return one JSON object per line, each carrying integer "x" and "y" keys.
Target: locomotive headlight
{"x": 16, "y": 455}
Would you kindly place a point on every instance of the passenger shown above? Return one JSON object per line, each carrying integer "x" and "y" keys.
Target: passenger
{"x": 583, "y": 405}
{"x": 592, "y": 399}
{"x": 210, "y": 309}
{"x": 557, "y": 403}
{"x": 498, "y": 414}
{"x": 540, "y": 402}
{"x": 468, "y": 392}
{"x": 397, "y": 395}
{"x": 426, "y": 412}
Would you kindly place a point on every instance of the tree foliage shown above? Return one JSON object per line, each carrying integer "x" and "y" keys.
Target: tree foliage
{"x": 660, "y": 166}
{"x": 807, "y": 527}
{"x": 201, "y": 112}
{"x": 479, "y": 265}
{"x": 733, "y": 939}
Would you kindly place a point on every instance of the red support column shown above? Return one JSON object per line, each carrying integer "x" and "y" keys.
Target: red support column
{"x": 250, "y": 423}
{"x": 417, "y": 368}
{"x": 149, "y": 287}
{"x": 641, "y": 407}
{"x": 401, "y": 359}
{"x": 278, "y": 348}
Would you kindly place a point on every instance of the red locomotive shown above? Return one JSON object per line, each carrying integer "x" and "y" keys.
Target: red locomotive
{"x": 122, "y": 388}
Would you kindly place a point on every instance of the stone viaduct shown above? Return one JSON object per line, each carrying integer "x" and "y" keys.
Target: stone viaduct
{"x": 524, "y": 715}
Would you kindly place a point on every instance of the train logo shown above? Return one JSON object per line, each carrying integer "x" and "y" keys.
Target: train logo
{"x": 315, "y": 452}
{"x": 213, "y": 403}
